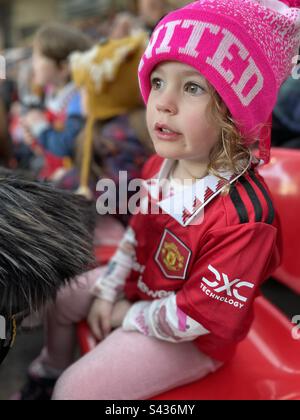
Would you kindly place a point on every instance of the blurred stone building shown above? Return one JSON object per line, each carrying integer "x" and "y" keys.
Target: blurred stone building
{"x": 19, "y": 19}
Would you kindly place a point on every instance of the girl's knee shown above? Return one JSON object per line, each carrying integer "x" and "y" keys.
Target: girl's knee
{"x": 78, "y": 382}
{"x": 67, "y": 388}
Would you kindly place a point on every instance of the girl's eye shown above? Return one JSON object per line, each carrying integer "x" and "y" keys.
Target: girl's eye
{"x": 156, "y": 83}
{"x": 193, "y": 88}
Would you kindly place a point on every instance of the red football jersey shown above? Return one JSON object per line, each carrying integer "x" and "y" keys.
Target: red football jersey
{"x": 215, "y": 266}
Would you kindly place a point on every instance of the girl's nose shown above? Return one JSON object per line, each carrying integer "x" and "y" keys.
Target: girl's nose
{"x": 166, "y": 104}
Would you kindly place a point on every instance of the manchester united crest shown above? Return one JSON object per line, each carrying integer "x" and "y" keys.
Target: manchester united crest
{"x": 173, "y": 256}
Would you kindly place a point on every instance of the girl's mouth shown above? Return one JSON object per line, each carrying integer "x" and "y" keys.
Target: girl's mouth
{"x": 163, "y": 132}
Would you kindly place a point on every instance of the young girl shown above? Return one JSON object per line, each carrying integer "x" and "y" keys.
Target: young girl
{"x": 180, "y": 290}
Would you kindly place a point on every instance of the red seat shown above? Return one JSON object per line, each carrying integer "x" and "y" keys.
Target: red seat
{"x": 283, "y": 178}
{"x": 265, "y": 367}
{"x": 104, "y": 253}
{"x": 267, "y": 363}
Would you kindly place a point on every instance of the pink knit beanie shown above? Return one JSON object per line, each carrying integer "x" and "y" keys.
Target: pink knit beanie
{"x": 244, "y": 48}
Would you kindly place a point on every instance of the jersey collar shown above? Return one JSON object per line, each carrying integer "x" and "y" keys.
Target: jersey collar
{"x": 187, "y": 205}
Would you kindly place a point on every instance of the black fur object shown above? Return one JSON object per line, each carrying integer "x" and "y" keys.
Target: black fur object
{"x": 45, "y": 240}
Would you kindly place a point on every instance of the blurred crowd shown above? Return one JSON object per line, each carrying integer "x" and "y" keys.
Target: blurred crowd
{"x": 70, "y": 108}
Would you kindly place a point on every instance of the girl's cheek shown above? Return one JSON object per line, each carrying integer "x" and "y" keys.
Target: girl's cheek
{"x": 196, "y": 115}
{"x": 150, "y": 111}
{"x": 198, "y": 128}
{"x": 194, "y": 121}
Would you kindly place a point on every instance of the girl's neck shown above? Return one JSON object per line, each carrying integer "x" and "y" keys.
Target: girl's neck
{"x": 184, "y": 170}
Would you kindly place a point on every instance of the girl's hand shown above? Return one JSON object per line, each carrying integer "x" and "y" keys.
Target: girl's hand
{"x": 99, "y": 318}
{"x": 119, "y": 312}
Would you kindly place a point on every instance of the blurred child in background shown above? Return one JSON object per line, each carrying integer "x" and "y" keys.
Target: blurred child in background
{"x": 52, "y": 132}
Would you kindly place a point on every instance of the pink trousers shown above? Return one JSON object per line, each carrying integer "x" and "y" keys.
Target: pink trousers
{"x": 125, "y": 366}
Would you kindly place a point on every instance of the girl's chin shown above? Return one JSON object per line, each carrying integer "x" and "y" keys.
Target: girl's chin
{"x": 168, "y": 152}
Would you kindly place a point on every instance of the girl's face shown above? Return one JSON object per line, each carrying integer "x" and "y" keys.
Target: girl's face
{"x": 176, "y": 113}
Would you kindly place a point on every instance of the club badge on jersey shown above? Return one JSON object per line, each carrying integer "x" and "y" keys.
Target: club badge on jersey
{"x": 173, "y": 256}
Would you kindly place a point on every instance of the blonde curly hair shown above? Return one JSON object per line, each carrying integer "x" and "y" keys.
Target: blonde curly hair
{"x": 231, "y": 153}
